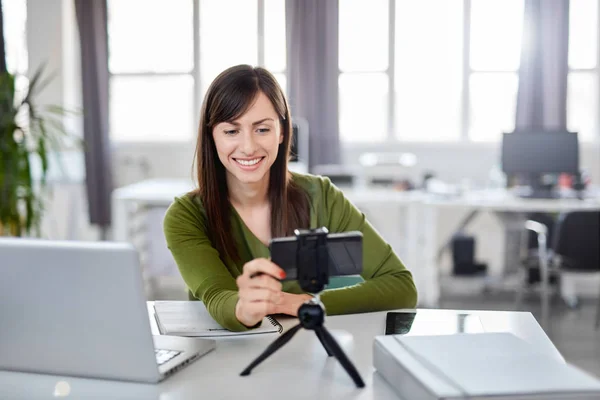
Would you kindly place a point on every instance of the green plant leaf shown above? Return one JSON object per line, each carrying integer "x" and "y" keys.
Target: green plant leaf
{"x": 22, "y": 198}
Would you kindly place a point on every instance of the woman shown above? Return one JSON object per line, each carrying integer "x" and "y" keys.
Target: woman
{"x": 219, "y": 234}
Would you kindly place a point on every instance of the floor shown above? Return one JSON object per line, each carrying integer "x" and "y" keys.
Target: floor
{"x": 571, "y": 330}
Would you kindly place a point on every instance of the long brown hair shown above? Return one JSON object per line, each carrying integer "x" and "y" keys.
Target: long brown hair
{"x": 227, "y": 98}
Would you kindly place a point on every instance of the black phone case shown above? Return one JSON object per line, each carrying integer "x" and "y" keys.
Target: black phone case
{"x": 345, "y": 254}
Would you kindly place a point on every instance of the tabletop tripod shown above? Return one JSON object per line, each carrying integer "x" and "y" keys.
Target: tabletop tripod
{"x": 313, "y": 276}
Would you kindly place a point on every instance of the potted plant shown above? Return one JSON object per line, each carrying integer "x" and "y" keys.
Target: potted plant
{"x": 27, "y": 131}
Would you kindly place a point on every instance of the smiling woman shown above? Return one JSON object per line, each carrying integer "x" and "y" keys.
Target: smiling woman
{"x": 219, "y": 234}
{"x": 251, "y": 143}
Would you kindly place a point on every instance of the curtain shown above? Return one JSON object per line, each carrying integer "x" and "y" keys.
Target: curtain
{"x": 2, "y": 50}
{"x": 542, "y": 93}
{"x": 92, "y": 23}
{"x": 312, "y": 59}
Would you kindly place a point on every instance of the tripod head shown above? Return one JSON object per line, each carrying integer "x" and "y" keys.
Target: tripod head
{"x": 312, "y": 259}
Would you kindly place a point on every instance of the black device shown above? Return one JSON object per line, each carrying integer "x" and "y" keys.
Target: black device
{"x": 299, "y": 149}
{"x": 312, "y": 262}
{"x": 344, "y": 252}
{"x": 533, "y": 154}
{"x": 399, "y": 323}
{"x": 404, "y": 323}
{"x": 463, "y": 256}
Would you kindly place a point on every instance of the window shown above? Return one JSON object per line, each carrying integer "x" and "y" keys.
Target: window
{"x": 582, "y": 87}
{"x": 364, "y": 70}
{"x": 161, "y": 69}
{"x": 494, "y": 58}
{"x": 15, "y": 36}
{"x": 411, "y": 60}
{"x": 15, "y": 42}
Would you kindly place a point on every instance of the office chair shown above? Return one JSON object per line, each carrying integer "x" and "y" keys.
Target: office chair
{"x": 578, "y": 244}
{"x": 575, "y": 248}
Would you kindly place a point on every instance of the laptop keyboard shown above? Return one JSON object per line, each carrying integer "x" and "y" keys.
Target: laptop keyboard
{"x": 162, "y": 356}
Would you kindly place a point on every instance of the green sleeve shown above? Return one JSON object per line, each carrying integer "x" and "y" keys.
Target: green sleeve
{"x": 205, "y": 275}
{"x": 388, "y": 284}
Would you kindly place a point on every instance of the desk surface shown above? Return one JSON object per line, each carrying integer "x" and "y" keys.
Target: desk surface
{"x": 299, "y": 370}
{"x": 160, "y": 192}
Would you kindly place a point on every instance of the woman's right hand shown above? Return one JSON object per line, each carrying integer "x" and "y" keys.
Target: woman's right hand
{"x": 259, "y": 291}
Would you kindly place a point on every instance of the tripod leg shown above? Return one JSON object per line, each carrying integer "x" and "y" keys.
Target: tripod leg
{"x": 338, "y": 352}
{"x": 324, "y": 342}
{"x": 272, "y": 348}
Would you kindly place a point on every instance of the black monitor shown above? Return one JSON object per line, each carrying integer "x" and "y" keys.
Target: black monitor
{"x": 299, "y": 146}
{"x": 532, "y": 154}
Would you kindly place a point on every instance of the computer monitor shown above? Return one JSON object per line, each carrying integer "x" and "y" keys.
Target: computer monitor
{"x": 299, "y": 148}
{"x": 539, "y": 152}
{"x": 532, "y": 154}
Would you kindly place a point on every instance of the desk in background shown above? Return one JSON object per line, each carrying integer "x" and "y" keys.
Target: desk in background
{"x": 299, "y": 370}
{"x": 417, "y": 229}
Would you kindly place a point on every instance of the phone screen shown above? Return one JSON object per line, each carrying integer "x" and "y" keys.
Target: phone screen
{"x": 399, "y": 323}
{"x": 424, "y": 322}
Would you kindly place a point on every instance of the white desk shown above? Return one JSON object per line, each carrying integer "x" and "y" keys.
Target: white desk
{"x": 299, "y": 370}
{"x": 510, "y": 210}
{"x": 419, "y": 227}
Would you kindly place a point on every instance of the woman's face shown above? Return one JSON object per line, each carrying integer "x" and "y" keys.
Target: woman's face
{"x": 248, "y": 146}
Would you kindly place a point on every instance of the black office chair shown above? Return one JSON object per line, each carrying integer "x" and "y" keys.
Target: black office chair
{"x": 575, "y": 247}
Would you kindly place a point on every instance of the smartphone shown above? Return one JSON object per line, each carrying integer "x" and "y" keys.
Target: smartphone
{"x": 345, "y": 254}
{"x": 399, "y": 323}
{"x": 408, "y": 323}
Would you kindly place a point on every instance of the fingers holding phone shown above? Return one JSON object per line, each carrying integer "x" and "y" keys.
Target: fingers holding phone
{"x": 259, "y": 291}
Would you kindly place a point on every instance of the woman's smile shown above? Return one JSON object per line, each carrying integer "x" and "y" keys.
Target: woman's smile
{"x": 249, "y": 164}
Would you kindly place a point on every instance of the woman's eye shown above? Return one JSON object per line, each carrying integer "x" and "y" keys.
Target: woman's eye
{"x": 231, "y": 132}
{"x": 263, "y": 130}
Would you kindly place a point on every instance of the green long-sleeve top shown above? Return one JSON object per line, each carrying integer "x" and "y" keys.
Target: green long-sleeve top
{"x": 387, "y": 283}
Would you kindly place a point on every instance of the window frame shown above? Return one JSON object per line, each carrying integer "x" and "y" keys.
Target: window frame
{"x": 467, "y": 72}
{"x": 195, "y": 72}
{"x": 596, "y": 70}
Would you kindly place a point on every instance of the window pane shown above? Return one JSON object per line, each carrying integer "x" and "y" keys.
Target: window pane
{"x": 282, "y": 79}
{"x": 496, "y": 30}
{"x": 428, "y": 69}
{"x": 363, "y": 107}
{"x": 151, "y": 108}
{"x": 150, "y": 35}
{"x": 227, "y": 38}
{"x": 582, "y": 105}
{"x": 15, "y": 38}
{"x": 363, "y": 35}
{"x": 275, "y": 35}
{"x": 583, "y": 33}
{"x": 493, "y": 102}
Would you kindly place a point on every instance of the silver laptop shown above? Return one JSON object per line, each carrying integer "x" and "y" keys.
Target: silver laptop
{"x": 79, "y": 309}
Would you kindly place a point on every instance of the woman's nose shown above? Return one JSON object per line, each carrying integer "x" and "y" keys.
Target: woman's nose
{"x": 248, "y": 145}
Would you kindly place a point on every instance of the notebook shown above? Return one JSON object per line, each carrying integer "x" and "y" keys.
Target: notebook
{"x": 477, "y": 366}
{"x": 191, "y": 318}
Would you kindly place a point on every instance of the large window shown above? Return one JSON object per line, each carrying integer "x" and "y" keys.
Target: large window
{"x": 162, "y": 65}
{"x": 15, "y": 35}
{"x": 583, "y": 90}
{"x": 428, "y": 70}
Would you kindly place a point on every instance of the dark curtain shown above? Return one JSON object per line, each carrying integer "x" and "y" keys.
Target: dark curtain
{"x": 2, "y": 51}
{"x": 542, "y": 95}
{"x": 312, "y": 59}
{"x": 92, "y": 23}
